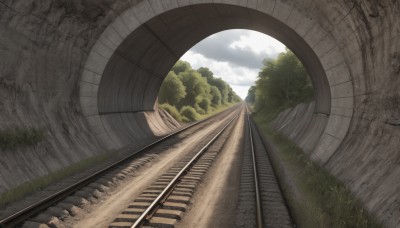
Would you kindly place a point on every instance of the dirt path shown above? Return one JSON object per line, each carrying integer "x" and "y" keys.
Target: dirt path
{"x": 214, "y": 203}
{"x": 103, "y": 213}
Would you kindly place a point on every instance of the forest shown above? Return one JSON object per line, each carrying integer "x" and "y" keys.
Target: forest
{"x": 189, "y": 94}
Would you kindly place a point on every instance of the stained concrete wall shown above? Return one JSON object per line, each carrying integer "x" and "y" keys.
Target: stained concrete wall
{"x": 296, "y": 123}
{"x": 97, "y": 66}
{"x": 43, "y": 46}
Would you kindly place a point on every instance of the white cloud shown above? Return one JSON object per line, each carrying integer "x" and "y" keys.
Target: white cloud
{"x": 241, "y": 91}
{"x": 234, "y": 55}
{"x": 259, "y": 43}
{"x": 232, "y": 74}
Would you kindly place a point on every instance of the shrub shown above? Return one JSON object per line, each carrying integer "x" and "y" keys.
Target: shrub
{"x": 205, "y": 104}
{"x": 199, "y": 110}
{"x": 11, "y": 139}
{"x": 172, "y": 111}
{"x": 189, "y": 114}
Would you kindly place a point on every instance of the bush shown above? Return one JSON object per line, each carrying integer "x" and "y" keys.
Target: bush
{"x": 205, "y": 104}
{"x": 172, "y": 111}
{"x": 11, "y": 139}
{"x": 199, "y": 110}
{"x": 189, "y": 114}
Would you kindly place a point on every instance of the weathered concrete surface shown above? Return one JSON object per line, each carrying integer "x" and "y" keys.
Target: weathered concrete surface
{"x": 300, "y": 124}
{"x": 96, "y": 66}
{"x": 43, "y": 46}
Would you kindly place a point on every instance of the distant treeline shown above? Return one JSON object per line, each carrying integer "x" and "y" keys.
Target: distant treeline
{"x": 187, "y": 94}
{"x": 281, "y": 83}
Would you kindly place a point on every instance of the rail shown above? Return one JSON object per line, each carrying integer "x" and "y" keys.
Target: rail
{"x": 158, "y": 201}
{"x": 259, "y": 216}
{"x": 24, "y": 214}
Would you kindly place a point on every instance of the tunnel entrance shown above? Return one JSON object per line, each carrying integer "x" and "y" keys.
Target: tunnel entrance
{"x": 129, "y": 61}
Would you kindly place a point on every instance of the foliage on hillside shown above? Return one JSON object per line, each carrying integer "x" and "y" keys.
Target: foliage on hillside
{"x": 194, "y": 92}
{"x": 281, "y": 83}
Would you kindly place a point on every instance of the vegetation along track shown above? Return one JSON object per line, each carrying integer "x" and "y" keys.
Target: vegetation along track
{"x": 88, "y": 187}
{"x": 261, "y": 202}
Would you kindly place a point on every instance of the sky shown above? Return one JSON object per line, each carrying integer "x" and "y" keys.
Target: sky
{"x": 234, "y": 55}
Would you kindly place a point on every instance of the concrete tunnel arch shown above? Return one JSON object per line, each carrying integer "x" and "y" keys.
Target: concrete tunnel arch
{"x": 128, "y": 62}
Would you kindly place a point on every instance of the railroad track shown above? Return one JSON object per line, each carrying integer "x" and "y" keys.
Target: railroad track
{"x": 89, "y": 186}
{"x": 261, "y": 202}
{"x": 163, "y": 203}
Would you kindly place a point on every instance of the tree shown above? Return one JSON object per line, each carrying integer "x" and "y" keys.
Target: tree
{"x": 172, "y": 90}
{"x": 251, "y": 95}
{"x": 206, "y": 73}
{"x": 216, "y": 96}
{"x": 180, "y": 67}
{"x": 194, "y": 92}
{"x": 223, "y": 88}
{"x": 282, "y": 83}
{"x": 196, "y": 86}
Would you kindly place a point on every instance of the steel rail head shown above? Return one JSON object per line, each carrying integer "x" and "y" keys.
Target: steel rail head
{"x": 169, "y": 188}
{"x": 20, "y": 216}
{"x": 259, "y": 217}
{"x": 263, "y": 142}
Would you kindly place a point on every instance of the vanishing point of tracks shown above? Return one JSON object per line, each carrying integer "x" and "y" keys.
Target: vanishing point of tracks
{"x": 259, "y": 202}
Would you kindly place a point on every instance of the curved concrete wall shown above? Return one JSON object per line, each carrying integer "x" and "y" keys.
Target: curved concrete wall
{"x": 43, "y": 46}
{"x": 137, "y": 50}
{"x": 296, "y": 122}
{"x": 94, "y": 68}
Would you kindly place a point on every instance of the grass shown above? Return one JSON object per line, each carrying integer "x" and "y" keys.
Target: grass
{"x": 216, "y": 110}
{"x": 315, "y": 197}
{"x": 13, "y": 138}
{"x": 39, "y": 183}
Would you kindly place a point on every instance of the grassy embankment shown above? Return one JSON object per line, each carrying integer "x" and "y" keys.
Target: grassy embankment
{"x": 189, "y": 114}
{"x": 315, "y": 197}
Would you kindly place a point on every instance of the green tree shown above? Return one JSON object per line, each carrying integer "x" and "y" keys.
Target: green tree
{"x": 172, "y": 90}
{"x": 194, "y": 92}
{"x": 216, "y": 96}
{"x": 282, "y": 83}
{"x": 196, "y": 86}
{"x": 251, "y": 95}
{"x": 231, "y": 95}
{"x": 223, "y": 89}
{"x": 206, "y": 73}
{"x": 180, "y": 67}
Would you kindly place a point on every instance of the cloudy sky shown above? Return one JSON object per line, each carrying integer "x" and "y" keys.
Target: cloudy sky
{"x": 234, "y": 55}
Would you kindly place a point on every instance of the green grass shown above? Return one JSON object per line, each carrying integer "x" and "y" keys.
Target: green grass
{"x": 216, "y": 110}
{"x": 316, "y": 198}
{"x": 39, "y": 183}
{"x": 13, "y": 138}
